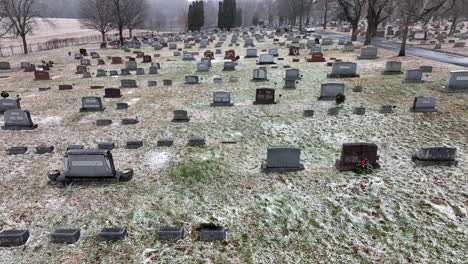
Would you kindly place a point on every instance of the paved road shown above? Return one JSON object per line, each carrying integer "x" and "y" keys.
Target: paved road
{"x": 423, "y": 53}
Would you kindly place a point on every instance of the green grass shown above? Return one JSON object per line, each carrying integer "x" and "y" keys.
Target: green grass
{"x": 191, "y": 172}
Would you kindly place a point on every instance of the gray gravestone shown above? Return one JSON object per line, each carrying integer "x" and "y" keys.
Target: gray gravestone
{"x": 413, "y": 76}
{"x": 9, "y": 103}
{"x": 16, "y": 119}
{"x": 329, "y": 91}
{"x": 435, "y": 156}
{"x": 343, "y": 70}
{"x": 126, "y": 83}
{"x": 424, "y": 104}
{"x": 282, "y": 159}
{"x": 260, "y": 75}
{"x": 192, "y": 79}
{"x": 181, "y": 116}
{"x": 457, "y": 82}
{"x": 91, "y": 104}
{"x": 221, "y": 98}
{"x": 368, "y": 53}
{"x": 393, "y": 67}
{"x": 251, "y": 53}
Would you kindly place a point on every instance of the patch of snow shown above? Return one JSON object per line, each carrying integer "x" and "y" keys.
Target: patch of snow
{"x": 157, "y": 160}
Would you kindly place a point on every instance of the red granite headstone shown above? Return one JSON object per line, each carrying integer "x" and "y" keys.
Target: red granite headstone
{"x": 41, "y": 76}
{"x": 316, "y": 57}
{"x": 101, "y": 62}
{"x": 116, "y": 60}
{"x": 65, "y": 87}
{"x": 229, "y": 54}
{"x": 209, "y": 53}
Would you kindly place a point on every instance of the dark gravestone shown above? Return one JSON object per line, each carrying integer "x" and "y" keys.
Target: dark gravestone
{"x": 264, "y": 96}
{"x": 329, "y": 91}
{"x": 17, "y": 150}
{"x": 91, "y": 104}
{"x": 70, "y": 147}
{"x": 103, "y": 122}
{"x": 424, "y": 104}
{"x": 134, "y": 144}
{"x": 16, "y": 119}
{"x": 386, "y": 109}
{"x": 167, "y": 82}
{"x": 333, "y": 111}
{"x": 140, "y": 71}
{"x": 80, "y": 69}
{"x": 357, "y": 89}
{"x": 41, "y": 76}
{"x": 192, "y": 79}
{"x": 308, "y": 113}
{"x": 153, "y": 70}
{"x": 9, "y": 103}
{"x": 126, "y": 83}
{"x": 426, "y": 69}
{"x": 229, "y": 66}
{"x": 181, "y": 116}
{"x": 211, "y": 233}
{"x": 125, "y": 72}
{"x": 129, "y": 121}
{"x": 106, "y": 145}
{"x": 112, "y": 234}
{"x": 152, "y": 83}
{"x": 63, "y": 87}
{"x": 101, "y": 73}
{"x": 116, "y": 60}
{"x": 43, "y": 89}
{"x": 290, "y": 84}
{"x": 351, "y": 154}
{"x": 282, "y": 159}
{"x": 113, "y": 73}
{"x": 165, "y": 142}
{"x": 196, "y": 142}
{"x": 4, "y": 65}
{"x": 43, "y": 149}
{"x": 202, "y": 67}
{"x": 435, "y": 156}
{"x": 121, "y": 106}
{"x": 112, "y": 93}
{"x": 170, "y": 233}
{"x": 359, "y": 111}
{"x": 68, "y": 236}
{"x": 316, "y": 57}
{"x": 221, "y": 98}
{"x": 13, "y": 238}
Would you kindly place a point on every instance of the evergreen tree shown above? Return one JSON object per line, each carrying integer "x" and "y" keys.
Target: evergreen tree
{"x": 227, "y": 14}
{"x": 255, "y": 19}
{"x": 238, "y": 18}
{"x": 196, "y": 16}
{"x": 220, "y": 16}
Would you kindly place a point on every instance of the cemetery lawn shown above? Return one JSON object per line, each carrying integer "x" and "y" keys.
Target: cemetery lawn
{"x": 399, "y": 214}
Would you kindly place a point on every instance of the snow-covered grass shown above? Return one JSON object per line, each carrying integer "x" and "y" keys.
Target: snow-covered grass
{"x": 399, "y": 214}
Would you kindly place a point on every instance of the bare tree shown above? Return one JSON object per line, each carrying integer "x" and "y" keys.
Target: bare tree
{"x": 377, "y": 12}
{"x": 135, "y": 15}
{"x": 352, "y": 10}
{"x": 457, "y": 13}
{"x": 96, "y": 15}
{"x": 412, "y": 11}
{"x": 22, "y": 16}
{"x": 119, "y": 21}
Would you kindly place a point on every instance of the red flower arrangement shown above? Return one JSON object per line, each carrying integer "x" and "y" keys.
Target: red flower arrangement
{"x": 363, "y": 166}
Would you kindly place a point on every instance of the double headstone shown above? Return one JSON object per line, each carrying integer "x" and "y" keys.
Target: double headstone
{"x": 457, "y": 82}
{"x": 264, "y": 96}
{"x": 343, "y": 70}
{"x": 221, "y": 98}
{"x": 91, "y": 104}
{"x": 329, "y": 91}
{"x": 352, "y": 153}
{"x": 260, "y": 75}
{"x": 127, "y": 83}
{"x": 435, "y": 156}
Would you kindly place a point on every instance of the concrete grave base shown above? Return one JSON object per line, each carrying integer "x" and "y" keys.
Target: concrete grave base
{"x": 412, "y": 81}
{"x": 265, "y": 63}
{"x": 391, "y": 73}
{"x": 424, "y": 163}
{"x": 444, "y": 89}
{"x": 424, "y": 110}
{"x": 19, "y": 127}
{"x": 366, "y": 58}
{"x": 221, "y": 104}
{"x": 181, "y": 120}
{"x": 330, "y": 75}
{"x": 262, "y": 103}
{"x": 119, "y": 176}
{"x": 352, "y": 167}
{"x": 266, "y": 169}
{"x": 92, "y": 109}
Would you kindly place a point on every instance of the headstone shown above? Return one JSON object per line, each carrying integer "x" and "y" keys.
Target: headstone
{"x": 266, "y": 59}
{"x": 68, "y": 236}
{"x": 131, "y": 65}
{"x": 106, "y": 145}
{"x": 112, "y": 93}
{"x": 25, "y": 65}
{"x": 116, "y": 60}
{"x": 112, "y": 234}
{"x": 202, "y": 67}
{"x": 43, "y": 149}
{"x": 424, "y": 104}
{"x": 273, "y": 52}
{"x": 165, "y": 142}
{"x": 327, "y": 42}
{"x": 251, "y": 53}
{"x": 17, "y": 119}
{"x": 181, "y": 116}
{"x": 167, "y": 82}
{"x": 293, "y": 74}
{"x": 368, "y": 53}
{"x": 343, "y": 70}
{"x": 130, "y": 121}
{"x": 413, "y": 76}
{"x": 16, "y": 150}
{"x": 426, "y": 68}
{"x": 316, "y": 57}
{"x": 330, "y": 90}
{"x": 386, "y": 109}
{"x": 140, "y": 71}
{"x": 192, "y": 79}
{"x": 435, "y": 156}
{"x": 170, "y": 233}
{"x": 229, "y": 66}
{"x": 4, "y": 65}
{"x": 188, "y": 56}
{"x": 101, "y": 73}
{"x": 221, "y": 98}
{"x": 229, "y": 54}
{"x": 294, "y": 51}
{"x": 211, "y": 233}
{"x": 196, "y": 142}
{"x": 41, "y": 76}
{"x": 9, "y": 103}
{"x": 85, "y": 62}
{"x": 13, "y": 238}
{"x": 126, "y": 83}
{"x": 348, "y": 47}
{"x": 121, "y": 106}
{"x": 457, "y": 82}
{"x": 282, "y": 159}
{"x": 359, "y": 111}
{"x": 260, "y": 75}
{"x": 80, "y": 69}
{"x": 113, "y": 73}
{"x": 308, "y": 113}
{"x": 264, "y": 96}
{"x": 103, "y": 122}
{"x": 91, "y": 104}
{"x": 393, "y": 67}
{"x": 351, "y": 154}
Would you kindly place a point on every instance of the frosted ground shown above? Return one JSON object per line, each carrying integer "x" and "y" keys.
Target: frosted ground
{"x": 399, "y": 214}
